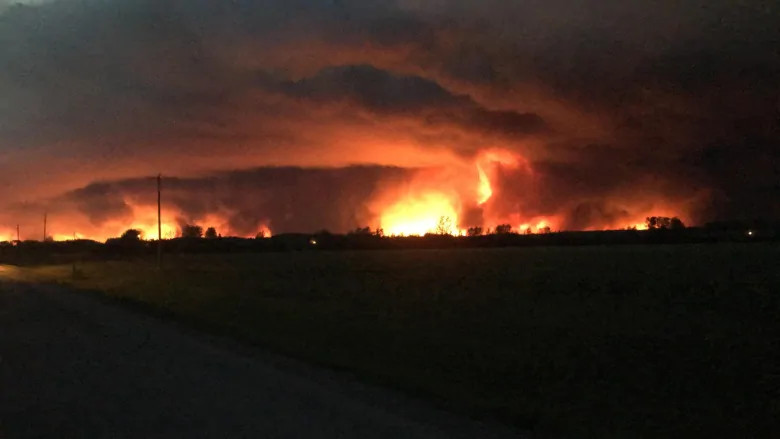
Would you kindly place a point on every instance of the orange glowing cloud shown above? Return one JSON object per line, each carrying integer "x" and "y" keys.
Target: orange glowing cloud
{"x": 488, "y": 159}
{"x": 517, "y": 136}
{"x": 485, "y": 191}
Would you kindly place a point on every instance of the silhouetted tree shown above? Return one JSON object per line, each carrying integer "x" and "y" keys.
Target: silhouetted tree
{"x": 129, "y": 242}
{"x": 657, "y": 222}
{"x": 361, "y": 231}
{"x": 544, "y": 230}
{"x": 664, "y": 223}
{"x": 191, "y": 231}
{"x": 260, "y": 234}
{"x": 503, "y": 229}
{"x": 131, "y": 235}
{"x": 474, "y": 231}
{"x": 444, "y": 226}
{"x": 380, "y": 232}
{"x": 211, "y": 233}
{"x": 676, "y": 224}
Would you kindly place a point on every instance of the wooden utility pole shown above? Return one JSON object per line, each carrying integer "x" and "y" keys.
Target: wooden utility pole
{"x": 17, "y": 234}
{"x": 45, "y": 214}
{"x": 159, "y": 222}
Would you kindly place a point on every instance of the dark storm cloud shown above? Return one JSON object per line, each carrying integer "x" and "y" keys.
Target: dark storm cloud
{"x": 374, "y": 89}
{"x": 685, "y": 94}
{"x": 98, "y": 69}
{"x": 752, "y": 169}
{"x": 287, "y": 199}
{"x": 101, "y": 202}
{"x": 384, "y": 93}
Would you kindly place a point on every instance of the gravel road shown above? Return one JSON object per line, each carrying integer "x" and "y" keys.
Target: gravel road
{"x": 74, "y": 366}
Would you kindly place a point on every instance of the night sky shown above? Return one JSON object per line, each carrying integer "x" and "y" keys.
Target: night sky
{"x": 300, "y": 115}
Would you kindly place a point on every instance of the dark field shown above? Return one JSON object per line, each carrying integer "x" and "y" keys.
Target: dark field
{"x": 643, "y": 341}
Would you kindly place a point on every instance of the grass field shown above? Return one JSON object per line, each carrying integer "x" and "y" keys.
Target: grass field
{"x": 653, "y": 341}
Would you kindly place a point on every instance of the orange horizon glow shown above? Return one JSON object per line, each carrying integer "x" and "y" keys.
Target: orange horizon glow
{"x": 59, "y": 237}
{"x": 485, "y": 191}
{"x": 418, "y": 215}
{"x": 454, "y": 192}
{"x": 419, "y": 211}
{"x": 414, "y": 216}
{"x": 150, "y": 232}
{"x": 143, "y": 219}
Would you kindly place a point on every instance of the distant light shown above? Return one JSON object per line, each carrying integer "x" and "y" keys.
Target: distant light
{"x": 750, "y": 233}
{"x": 313, "y": 241}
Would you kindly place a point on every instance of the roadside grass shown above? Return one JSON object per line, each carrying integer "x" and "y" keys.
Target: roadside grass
{"x": 677, "y": 341}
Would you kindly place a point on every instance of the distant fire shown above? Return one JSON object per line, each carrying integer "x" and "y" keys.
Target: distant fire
{"x": 485, "y": 190}
{"x": 436, "y": 204}
{"x": 143, "y": 219}
{"x": 418, "y": 215}
{"x": 64, "y": 237}
{"x": 487, "y": 161}
{"x": 480, "y": 194}
{"x": 150, "y": 232}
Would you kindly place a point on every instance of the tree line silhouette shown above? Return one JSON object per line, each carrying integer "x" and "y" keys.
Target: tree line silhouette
{"x": 445, "y": 226}
{"x": 193, "y": 239}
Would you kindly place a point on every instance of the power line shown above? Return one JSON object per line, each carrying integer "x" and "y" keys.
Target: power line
{"x": 159, "y": 221}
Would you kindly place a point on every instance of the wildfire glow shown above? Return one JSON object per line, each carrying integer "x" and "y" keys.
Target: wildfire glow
{"x": 419, "y": 215}
{"x": 144, "y": 219}
{"x": 447, "y": 199}
{"x": 264, "y": 232}
{"x": 149, "y": 232}
{"x": 422, "y": 208}
{"x": 63, "y": 237}
{"x": 484, "y": 191}
{"x": 487, "y": 161}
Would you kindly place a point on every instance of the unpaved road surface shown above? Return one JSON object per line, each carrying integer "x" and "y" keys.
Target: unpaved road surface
{"x": 72, "y": 366}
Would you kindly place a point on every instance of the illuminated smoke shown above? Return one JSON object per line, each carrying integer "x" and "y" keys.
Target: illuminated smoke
{"x": 485, "y": 191}
{"x": 486, "y": 112}
{"x": 399, "y": 201}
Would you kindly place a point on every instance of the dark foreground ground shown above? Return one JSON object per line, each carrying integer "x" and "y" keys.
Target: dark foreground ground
{"x": 625, "y": 341}
{"x": 71, "y": 367}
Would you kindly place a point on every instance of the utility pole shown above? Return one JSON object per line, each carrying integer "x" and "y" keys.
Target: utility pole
{"x": 159, "y": 222}
{"x": 45, "y": 214}
{"x": 17, "y": 234}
